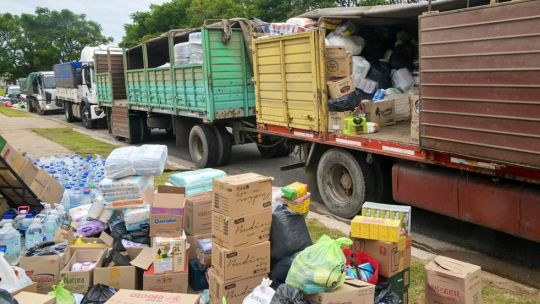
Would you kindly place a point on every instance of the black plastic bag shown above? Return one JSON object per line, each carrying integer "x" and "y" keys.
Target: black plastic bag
{"x": 7, "y": 298}
{"x": 380, "y": 72}
{"x": 119, "y": 231}
{"x": 280, "y": 269}
{"x": 385, "y": 295}
{"x": 403, "y": 56}
{"x": 197, "y": 275}
{"x": 98, "y": 294}
{"x": 46, "y": 248}
{"x": 344, "y": 103}
{"x": 286, "y": 294}
{"x": 117, "y": 255}
{"x": 289, "y": 233}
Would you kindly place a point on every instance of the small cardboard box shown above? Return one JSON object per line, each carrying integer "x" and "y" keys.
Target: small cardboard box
{"x": 167, "y": 211}
{"x": 79, "y": 281}
{"x": 25, "y": 297}
{"x": 338, "y": 62}
{"x": 232, "y": 265}
{"x": 393, "y": 258}
{"x": 241, "y": 194}
{"x": 353, "y": 291}
{"x": 165, "y": 282}
{"x": 103, "y": 242}
{"x": 192, "y": 241}
{"x": 450, "y": 281}
{"x": 336, "y": 120}
{"x": 119, "y": 277}
{"x": 340, "y": 87}
{"x": 198, "y": 213}
{"x": 380, "y": 112}
{"x": 44, "y": 270}
{"x": 239, "y": 231}
{"x": 124, "y": 296}
{"x": 234, "y": 292}
{"x": 399, "y": 281}
{"x": 170, "y": 254}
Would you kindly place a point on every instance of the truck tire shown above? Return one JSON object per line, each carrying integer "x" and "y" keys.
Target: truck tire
{"x": 224, "y": 143}
{"x": 203, "y": 146}
{"x": 146, "y": 133}
{"x": 271, "y": 148}
{"x": 30, "y": 105}
{"x": 38, "y": 108}
{"x": 68, "y": 112}
{"x": 86, "y": 117}
{"x": 344, "y": 182}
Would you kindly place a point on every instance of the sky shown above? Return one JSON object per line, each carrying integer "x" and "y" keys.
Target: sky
{"x": 110, "y": 14}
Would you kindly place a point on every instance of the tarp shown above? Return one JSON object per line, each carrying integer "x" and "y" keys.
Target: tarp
{"x": 27, "y": 87}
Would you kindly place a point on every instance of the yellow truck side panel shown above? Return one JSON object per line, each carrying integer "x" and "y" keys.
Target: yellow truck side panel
{"x": 288, "y": 80}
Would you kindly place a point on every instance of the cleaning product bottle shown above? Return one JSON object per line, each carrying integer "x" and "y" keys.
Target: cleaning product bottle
{"x": 355, "y": 125}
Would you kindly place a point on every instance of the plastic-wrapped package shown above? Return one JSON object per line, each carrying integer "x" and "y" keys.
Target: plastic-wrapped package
{"x": 126, "y": 188}
{"x": 303, "y": 22}
{"x": 196, "y": 181}
{"x": 96, "y": 208}
{"x": 402, "y": 79}
{"x": 285, "y": 28}
{"x": 367, "y": 86}
{"x": 137, "y": 218}
{"x": 360, "y": 69}
{"x": 354, "y": 44}
{"x": 401, "y": 102}
{"x": 80, "y": 212}
{"x": 319, "y": 267}
{"x": 143, "y": 160}
{"x": 261, "y": 294}
{"x": 88, "y": 227}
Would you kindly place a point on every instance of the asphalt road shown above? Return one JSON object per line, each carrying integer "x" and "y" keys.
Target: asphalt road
{"x": 497, "y": 252}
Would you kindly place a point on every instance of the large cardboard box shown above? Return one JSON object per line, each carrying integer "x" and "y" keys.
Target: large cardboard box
{"x": 28, "y": 172}
{"x": 79, "y": 281}
{"x": 165, "y": 282}
{"x": 354, "y": 291}
{"x": 167, "y": 211}
{"x": 13, "y": 157}
{"x": 393, "y": 258}
{"x": 119, "y": 277}
{"x": 338, "y": 62}
{"x": 450, "y": 281}
{"x": 25, "y": 297}
{"x": 336, "y": 121}
{"x": 170, "y": 254}
{"x": 124, "y": 296}
{"x": 198, "y": 213}
{"x": 241, "y": 194}
{"x": 340, "y": 87}
{"x": 380, "y": 112}
{"x": 235, "y": 291}
{"x": 241, "y": 263}
{"x": 44, "y": 270}
{"x": 193, "y": 246}
{"x": 239, "y": 231}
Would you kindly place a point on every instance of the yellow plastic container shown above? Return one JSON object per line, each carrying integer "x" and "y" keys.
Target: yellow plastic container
{"x": 355, "y": 125}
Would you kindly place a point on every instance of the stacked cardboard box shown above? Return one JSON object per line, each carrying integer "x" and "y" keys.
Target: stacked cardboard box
{"x": 374, "y": 233}
{"x": 241, "y": 219}
{"x": 198, "y": 226}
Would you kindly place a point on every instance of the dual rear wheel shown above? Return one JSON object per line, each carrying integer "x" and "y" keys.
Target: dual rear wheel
{"x": 210, "y": 146}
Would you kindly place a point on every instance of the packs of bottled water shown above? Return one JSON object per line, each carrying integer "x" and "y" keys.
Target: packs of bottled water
{"x": 190, "y": 52}
{"x": 143, "y": 160}
{"x": 125, "y": 188}
{"x": 196, "y": 181}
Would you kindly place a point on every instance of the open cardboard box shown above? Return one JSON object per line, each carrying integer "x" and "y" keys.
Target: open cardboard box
{"x": 79, "y": 281}
{"x": 44, "y": 270}
{"x": 103, "y": 242}
{"x": 119, "y": 277}
{"x": 167, "y": 211}
{"x": 353, "y": 291}
{"x": 124, "y": 296}
{"x": 25, "y": 297}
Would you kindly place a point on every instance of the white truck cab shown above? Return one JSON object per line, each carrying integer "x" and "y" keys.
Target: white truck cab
{"x": 40, "y": 90}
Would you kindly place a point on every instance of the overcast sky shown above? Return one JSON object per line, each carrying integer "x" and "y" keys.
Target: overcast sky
{"x": 111, "y": 14}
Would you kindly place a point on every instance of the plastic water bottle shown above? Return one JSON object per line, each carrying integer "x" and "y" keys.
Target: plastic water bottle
{"x": 66, "y": 197}
{"x": 34, "y": 234}
{"x": 25, "y": 223}
{"x": 10, "y": 244}
{"x": 75, "y": 198}
{"x": 22, "y": 212}
{"x": 50, "y": 227}
{"x": 63, "y": 216}
{"x": 7, "y": 218}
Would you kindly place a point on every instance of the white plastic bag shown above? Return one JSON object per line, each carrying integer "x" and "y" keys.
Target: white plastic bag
{"x": 354, "y": 44}
{"x": 360, "y": 69}
{"x": 262, "y": 294}
{"x": 12, "y": 278}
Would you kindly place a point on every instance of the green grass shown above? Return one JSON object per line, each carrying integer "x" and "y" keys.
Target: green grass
{"x": 490, "y": 294}
{"x": 162, "y": 179}
{"x": 75, "y": 141}
{"x": 10, "y": 112}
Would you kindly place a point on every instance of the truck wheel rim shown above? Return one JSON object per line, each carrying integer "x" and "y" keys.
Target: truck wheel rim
{"x": 340, "y": 183}
{"x": 198, "y": 148}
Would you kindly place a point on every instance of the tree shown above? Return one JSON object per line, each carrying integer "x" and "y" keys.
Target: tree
{"x": 40, "y": 40}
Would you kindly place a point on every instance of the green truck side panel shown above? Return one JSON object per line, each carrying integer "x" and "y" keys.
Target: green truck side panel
{"x": 104, "y": 88}
{"x": 221, "y": 87}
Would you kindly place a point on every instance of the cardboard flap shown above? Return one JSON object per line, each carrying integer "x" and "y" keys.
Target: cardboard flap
{"x": 358, "y": 283}
{"x": 450, "y": 266}
{"x": 106, "y": 238}
{"x": 145, "y": 259}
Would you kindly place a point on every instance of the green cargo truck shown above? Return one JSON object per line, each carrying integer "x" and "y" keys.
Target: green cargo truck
{"x": 209, "y": 105}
